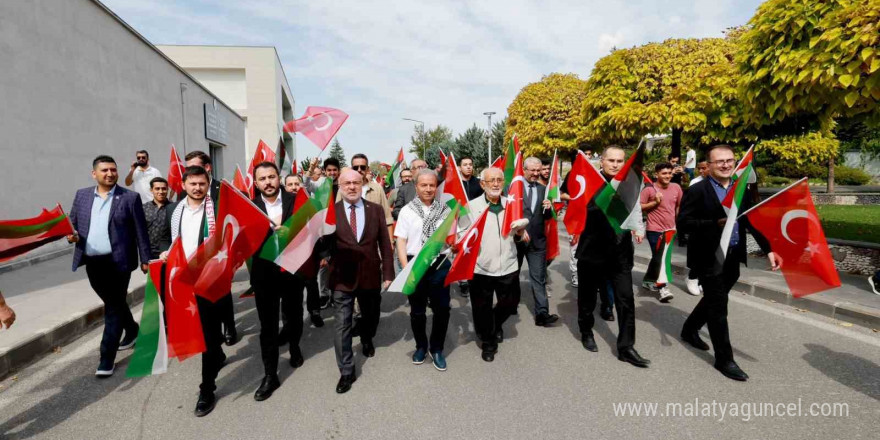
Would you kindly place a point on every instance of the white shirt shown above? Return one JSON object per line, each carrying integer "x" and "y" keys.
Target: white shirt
{"x": 141, "y": 182}
{"x": 191, "y": 227}
{"x": 690, "y": 159}
{"x": 409, "y": 226}
{"x": 359, "y": 215}
{"x": 695, "y": 180}
{"x": 274, "y": 210}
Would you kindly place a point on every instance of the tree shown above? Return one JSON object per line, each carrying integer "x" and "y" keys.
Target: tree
{"x": 682, "y": 86}
{"x": 423, "y": 141}
{"x": 338, "y": 153}
{"x": 473, "y": 143}
{"x": 433, "y": 153}
{"x": 546, "y": 115}
{"x": 499, "y": 129}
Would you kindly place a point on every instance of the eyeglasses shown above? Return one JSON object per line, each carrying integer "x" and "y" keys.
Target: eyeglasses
{"x": 496, "y": 180}
{"x": 720, "y": 162}
{"x": 351, "y": 183}
{"x": 359, "y": 167}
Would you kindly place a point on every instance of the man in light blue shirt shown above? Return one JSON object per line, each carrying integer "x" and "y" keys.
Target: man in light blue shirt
{"x": 98, "y": 242}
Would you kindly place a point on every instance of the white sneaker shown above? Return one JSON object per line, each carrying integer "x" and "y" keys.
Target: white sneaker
{"x": 104, "y": 373}
{"x": 665, "y": 294}
{"x": 650, "y": 286}
{"x": 873, "y": 286}
{"x": 574, "y": 281}
{"x": 694, "y": 287}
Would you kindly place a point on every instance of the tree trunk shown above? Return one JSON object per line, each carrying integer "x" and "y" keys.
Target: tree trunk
{"x": 676, "y": 143}
{"x": 830, "y": 188}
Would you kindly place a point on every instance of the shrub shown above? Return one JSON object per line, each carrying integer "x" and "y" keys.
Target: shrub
{"x": 777, "y": 181}
{"x": 844, "y": 175}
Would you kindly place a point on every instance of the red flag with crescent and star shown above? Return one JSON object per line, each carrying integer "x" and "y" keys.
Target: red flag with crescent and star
{"x": 319, "y": 124}
{"x": 175, "y": 172}
{"x": 239, "y": 182}
{"x": 790, "y": 223}
{"x": 513, "y": 209}
{"x": 185, "y": 336}
{"x": 583, "y": 182}
{"x": 467, "y": 250}
{"x": 242, "y": 228}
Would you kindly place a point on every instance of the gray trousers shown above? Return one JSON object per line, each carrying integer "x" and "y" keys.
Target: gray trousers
{"x": 537, "y": 278}
{"x": 343, "y": 302}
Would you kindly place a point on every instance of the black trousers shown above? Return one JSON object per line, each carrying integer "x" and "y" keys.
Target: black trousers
{"x": 210, "y": 314}
{"x": 227, "y": 311}
{"x": 593, "y": 281}
{"x": 712, "y": 309}
{"x": 488, "y": 320}
{"x": 431, "y": 286}
{"x": 313, "y": 297}
{"x": 111, "y": 285}
{"x": 275, "y": 291}
{"x": 369, "y": 300}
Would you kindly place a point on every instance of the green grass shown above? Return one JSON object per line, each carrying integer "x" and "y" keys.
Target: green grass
{"x": 851, "y": 222}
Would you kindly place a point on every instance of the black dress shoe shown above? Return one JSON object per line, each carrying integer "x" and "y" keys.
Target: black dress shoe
{"x": 296, "y": 358}
{"x": 488, "y": 355}
{"x": 589, "y": 343}
{"x": 632, "y": 356}
{"x": 693, "y": 338}
{"x": 369, "y": 349}
{"x": 546, "y": 319}
{"x": 606, "y": 314}
{"x": 316, "y": 318}
{"x": 269, "y": 385}
{"x": 345, "y": 382}
{"x": 499, "y": 336}
{"x": 230, "y": 335}
{"x": 731, "y": 370}
{"x": 205, "y": 404}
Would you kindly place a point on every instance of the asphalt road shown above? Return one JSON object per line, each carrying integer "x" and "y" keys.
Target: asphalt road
{"x": 543, "y": 384}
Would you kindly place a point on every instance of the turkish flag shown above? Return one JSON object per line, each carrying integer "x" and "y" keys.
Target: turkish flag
{"x": 185, "y": 336}
{"x": 175, "y": 172}
{"x": 789, "y": 221}
{"x": 239, "y": 182}
{"x": 551, "y": 232}
{"x": 263, "y": 154}
{"x": 584, "y": 181}
{"x": 242, "y": 229}
{"x": 319, "y": 124}
{"x": 513, "y": 211}
{"x": 467, "y": 250}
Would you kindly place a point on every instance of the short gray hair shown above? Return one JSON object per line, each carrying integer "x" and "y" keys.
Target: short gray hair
{"x": 532, "y": 160}
{"x": 490, "y": 169}
{"x": 426, "y": 172}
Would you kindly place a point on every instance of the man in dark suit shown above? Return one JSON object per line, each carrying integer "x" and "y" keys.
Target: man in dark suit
{"x": 703, "y": 219}
{"x": 201, "y": 159}
{"x": 407, "y": 192}
{"x": 110, "y": 235}
{"x": 355, "y": 271}
{"x": 603, "y": 255}
{"x": 273, "y": 285}
{"x": 533, "y": 246}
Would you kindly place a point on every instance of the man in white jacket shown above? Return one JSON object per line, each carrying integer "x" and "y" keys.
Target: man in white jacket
{"x": 497, "y": 271}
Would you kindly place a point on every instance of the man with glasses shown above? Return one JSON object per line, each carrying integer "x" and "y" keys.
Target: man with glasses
{"x": 703, "y": 218}
{"x": 140, "y": 175}
{"x": 370, "y": 191}
{"x": 407, "y": 192}
{"x": 406, "y": 176}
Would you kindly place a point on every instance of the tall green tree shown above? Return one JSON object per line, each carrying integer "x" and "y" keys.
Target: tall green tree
{"x": 337, "y": 152}
{"x": 424, "y": 140}
{"x": 473, "y": 143}
{"x": 546, "y": 115}
{"x": 433, "y": 157}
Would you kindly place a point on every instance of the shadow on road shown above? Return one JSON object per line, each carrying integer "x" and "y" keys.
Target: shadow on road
{"x": 856, "y": 372}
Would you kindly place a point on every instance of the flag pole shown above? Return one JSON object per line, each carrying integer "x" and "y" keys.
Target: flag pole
{"x": 770, "y": 198}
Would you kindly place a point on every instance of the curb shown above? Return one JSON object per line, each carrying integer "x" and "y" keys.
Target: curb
{"x": 841, "y": 310}
{"x": 34, "y": 260}
{"x": 34, "y": 348}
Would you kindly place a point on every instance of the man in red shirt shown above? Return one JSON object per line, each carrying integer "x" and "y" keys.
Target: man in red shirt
{"x": 660, "y": 202}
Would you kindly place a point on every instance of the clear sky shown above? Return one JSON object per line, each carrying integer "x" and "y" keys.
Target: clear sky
{"x": 442, "y": 62}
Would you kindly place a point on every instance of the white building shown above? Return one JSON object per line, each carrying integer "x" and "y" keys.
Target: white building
{"x": 249, "y": 79}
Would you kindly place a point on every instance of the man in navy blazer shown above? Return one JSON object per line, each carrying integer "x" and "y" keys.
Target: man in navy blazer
{"x": 110, "y": 236}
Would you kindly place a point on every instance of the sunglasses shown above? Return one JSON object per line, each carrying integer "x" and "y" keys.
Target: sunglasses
{"x": 359, "y": 167}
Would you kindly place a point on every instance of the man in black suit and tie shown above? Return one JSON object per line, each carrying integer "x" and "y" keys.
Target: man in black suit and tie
{"x": 533, "y": 246}
{"x": 356, "y": 271}
{"x": 274, "y": 285}
{"x": 201, "y": 159}
{"x": 703, "y": 219}
{"x": 110, "y": 235}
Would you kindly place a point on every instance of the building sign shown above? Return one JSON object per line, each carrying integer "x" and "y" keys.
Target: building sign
{"x": 216, "y": 126}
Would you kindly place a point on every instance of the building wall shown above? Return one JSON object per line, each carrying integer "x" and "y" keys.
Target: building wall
{"x": 77, "y": 82}
{"x": 267, "y": 102}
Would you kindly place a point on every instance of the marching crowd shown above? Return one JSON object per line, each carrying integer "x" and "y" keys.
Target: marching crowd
{"x": 380, "y": 230}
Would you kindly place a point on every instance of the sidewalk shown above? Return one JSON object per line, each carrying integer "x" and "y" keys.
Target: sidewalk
{"x": 52, "y": 306}
{"x": 852, "y": 302}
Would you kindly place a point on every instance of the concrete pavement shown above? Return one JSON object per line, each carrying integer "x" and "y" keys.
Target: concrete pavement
{"x": 542, "y": 383}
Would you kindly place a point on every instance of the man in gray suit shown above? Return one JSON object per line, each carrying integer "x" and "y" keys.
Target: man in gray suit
{"x": 533, "y": 247}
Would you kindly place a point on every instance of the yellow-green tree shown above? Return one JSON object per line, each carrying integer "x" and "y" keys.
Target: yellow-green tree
{"x": 810, "y": 57}
{"x": 682, "y": 86}
{"x": 546, "y": 115}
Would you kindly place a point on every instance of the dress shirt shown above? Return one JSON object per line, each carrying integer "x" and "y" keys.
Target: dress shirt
{"x": 98, "y": 241}
{"x": 274, "y": 209}
{"x": 191, "y": 226}
{"x": 358, "y": 213}
{"x": 721, "y": 192}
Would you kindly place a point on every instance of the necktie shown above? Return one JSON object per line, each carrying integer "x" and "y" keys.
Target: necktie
{"x": 532, "y": 196}
{"x": 352, "y": 219}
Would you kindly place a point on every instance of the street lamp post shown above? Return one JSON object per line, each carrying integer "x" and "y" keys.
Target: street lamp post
{"x": 425, "y": 147}
{"x": 489, "y": 133}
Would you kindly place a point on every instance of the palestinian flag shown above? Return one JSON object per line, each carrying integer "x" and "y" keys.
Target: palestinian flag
{"x": 665, "y": 276}
{"x": 452, "y": 191}
{"x": 18, "y": 237}
{"x": 731, "y": 204}
{"x": 508, "y": 164}
{"x": 314, "y": 217}
{"x": 745, "y": 162}
{"x": 619, "y": 200}
{"x": 392, "y": 178}
{"x": 284, "y": 153}
{"x": 408, "y": 278}
{"x": 151, "y": 348}
{"x": 551, "y": 228}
